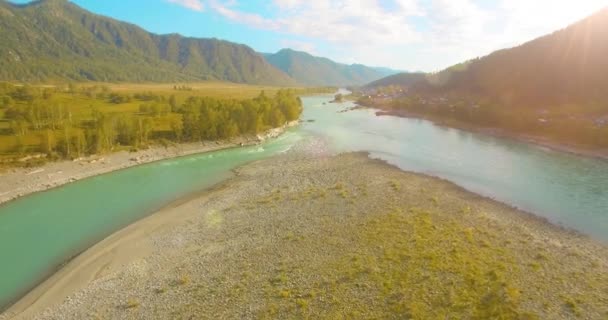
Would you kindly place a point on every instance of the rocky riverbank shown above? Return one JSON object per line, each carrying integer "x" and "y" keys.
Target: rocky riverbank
{"x": 300, "y": 236}
{"x": 23, "y": 181}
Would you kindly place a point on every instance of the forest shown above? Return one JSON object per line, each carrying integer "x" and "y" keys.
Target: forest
{"x": 56, "y": 40}
{"x": 66, "y": 122}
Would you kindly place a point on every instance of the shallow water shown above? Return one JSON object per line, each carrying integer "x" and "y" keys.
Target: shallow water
{"x": 566, "y": 189}
{"x": 39, "y": 232}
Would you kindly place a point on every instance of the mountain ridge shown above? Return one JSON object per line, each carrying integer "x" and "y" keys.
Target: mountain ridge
{"x": 320, "y": 71}
{"x": 39, "y": 37}
{"x": 551, "y": 90}
{"x": 565, "y": 66}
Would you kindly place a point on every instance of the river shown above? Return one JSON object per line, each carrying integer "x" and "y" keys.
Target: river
{"x": 39, "y": 232}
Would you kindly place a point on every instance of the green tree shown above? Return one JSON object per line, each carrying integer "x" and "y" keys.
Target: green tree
{"x": 79, "y": 143}
{"x": 228, "y": 129}
{"x": 49, "y": 142}
{"x": 20, "y": 126}
{"x": 195, "y": 120}
{"x": 177, "y": 126}
{"x": 125, "y": 131}
{"x": 24, "y": 93}
{"x": 277, "y": 118}
{"x": 6, "y": 102}
{"x": 173, "y": 102}
{"x": 20, "y": 146}
{"x": 143, "y": 127}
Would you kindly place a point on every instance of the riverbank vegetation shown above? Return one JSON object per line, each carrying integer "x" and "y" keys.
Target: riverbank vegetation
{"x": 38, "y": 123}
{"x": 524, "y": 90}
{"x": 566, "y": 124}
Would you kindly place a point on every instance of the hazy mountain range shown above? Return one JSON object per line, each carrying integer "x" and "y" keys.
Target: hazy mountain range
{"x": 310, "y": 70}
{"x": 57, "y": 40}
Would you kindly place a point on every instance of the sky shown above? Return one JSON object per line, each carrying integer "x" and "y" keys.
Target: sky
{"x": 411, "y": 35}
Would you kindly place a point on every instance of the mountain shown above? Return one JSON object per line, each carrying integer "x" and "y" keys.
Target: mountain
{"x": 57, "y": 40}
{"x": 553, "y": 89}
{"x": 400, "y": 79}
{"x": 388, "y": 71}
{"x": 316, "y": 71}
{"x": 569, "y": 66}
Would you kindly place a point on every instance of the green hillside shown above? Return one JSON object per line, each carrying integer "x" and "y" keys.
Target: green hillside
{"x": 316, "y": 71}
{"x": 553, "y": 88}
{"x": 401, "y": 79}
{"x": 568, "y": 66}
{"x": 55, "y": 40}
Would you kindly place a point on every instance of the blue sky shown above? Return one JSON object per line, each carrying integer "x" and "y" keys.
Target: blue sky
{"x": 425, "y": 35}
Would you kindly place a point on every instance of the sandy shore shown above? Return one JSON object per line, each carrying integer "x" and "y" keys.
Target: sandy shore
{"x": 21, "y": 181}
{"x": 537, "y": 140}
{"x": 297, "y": 236}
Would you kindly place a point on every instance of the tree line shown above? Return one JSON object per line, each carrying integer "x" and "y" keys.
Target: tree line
{"x": 59, "y": 123}
{"x": 564, "y": 125}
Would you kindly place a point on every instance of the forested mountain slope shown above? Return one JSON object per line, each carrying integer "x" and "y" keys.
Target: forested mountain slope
{"x": 554, "y": 88}
{"x": 404, "y": 79}
{"x": 57, "y": 40}
{"x": 317, "y": 71}
{"x": 569, "y": 66}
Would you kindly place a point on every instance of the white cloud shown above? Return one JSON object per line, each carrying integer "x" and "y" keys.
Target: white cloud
{"x": 410, "y": 7}
{"x": 250, "y": 19}
{"x": 457, "y": 28}
{"x": 464, "y": 29}
{"x": 409, "y": 34}
{"x": 341, "y": 22}
{"x": 525, "y": 20}
{"x": 456, "y": 21}
{"x": 195, "y": 5}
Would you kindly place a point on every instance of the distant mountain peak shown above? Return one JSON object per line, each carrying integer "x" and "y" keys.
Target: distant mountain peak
{"x": 289, "y": 51}
{"x": 319, "y": 71}
{"x": 292, "y": 50}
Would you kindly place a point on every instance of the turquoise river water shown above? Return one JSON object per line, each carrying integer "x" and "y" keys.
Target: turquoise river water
{"x": 39, "y": 232}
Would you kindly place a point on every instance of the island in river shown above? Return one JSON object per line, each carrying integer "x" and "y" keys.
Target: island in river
{"x": 345, "y": 236}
